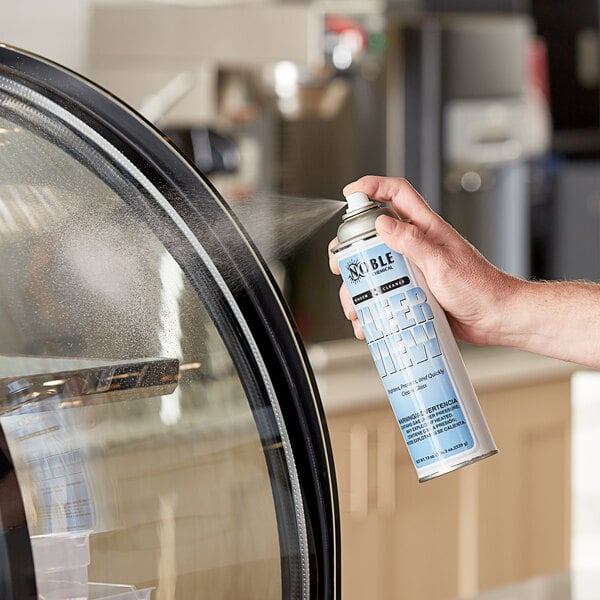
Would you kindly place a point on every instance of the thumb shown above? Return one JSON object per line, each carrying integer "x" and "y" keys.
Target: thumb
{"x": 405, "y": 238}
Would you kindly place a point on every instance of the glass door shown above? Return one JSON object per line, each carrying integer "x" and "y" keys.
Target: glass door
{"x": 161, "y": 433}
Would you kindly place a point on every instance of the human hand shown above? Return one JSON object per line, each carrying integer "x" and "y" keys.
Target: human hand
{"x": 470, "y": 289}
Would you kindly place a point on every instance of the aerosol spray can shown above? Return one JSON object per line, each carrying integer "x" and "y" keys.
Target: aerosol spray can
{"x": 413, "y": 347}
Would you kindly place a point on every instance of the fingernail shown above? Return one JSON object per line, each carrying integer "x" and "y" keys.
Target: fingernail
{"x": 386, "y": 224}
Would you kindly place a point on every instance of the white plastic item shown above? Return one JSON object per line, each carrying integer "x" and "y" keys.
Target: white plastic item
{"x": 112, "y": 591}
{"x": 357, "y": 201}
{"x": 70, "y": 584}
{"x": 57, "y": 551}
{"x": 61, "y": 565}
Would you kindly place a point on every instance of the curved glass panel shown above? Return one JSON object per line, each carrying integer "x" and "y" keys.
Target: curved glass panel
{"x": 143, "y": 456}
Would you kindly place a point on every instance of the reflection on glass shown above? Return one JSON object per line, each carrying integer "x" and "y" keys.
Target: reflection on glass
{"x": 167, "y": 491}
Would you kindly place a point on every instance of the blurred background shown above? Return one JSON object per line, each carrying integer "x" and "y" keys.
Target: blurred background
{"x": 491, "y": 108}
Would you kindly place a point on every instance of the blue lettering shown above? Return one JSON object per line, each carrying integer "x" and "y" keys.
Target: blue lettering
{"x": 415, "y": 295}
{"x": 422, "y": 312}
{"x": 416, "y": 350}
{"x": 370, "y": 327}
{"x": 432, "y": 344}
{"x": 401, "y": 356}
{"x": 383, "y": 359}
{"x": 417, "y": 300}
{"x": 401, "y": 313}
{"x": 389, "y": 323}
{"x": 421, "y": 342}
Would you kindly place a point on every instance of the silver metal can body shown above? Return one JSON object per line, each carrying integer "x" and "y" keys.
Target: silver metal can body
{"x": 414, "y": 351}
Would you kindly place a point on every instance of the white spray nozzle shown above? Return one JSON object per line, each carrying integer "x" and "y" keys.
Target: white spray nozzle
{"x": 357, "y": 201}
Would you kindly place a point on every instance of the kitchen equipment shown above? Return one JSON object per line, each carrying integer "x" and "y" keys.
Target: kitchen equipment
{"x": 465, "y": 121}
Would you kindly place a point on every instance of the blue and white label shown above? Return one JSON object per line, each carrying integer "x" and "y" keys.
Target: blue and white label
{"x": 400, "y": 328}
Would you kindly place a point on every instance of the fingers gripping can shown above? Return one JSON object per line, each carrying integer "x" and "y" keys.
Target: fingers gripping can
{"x": 412, "y": 346}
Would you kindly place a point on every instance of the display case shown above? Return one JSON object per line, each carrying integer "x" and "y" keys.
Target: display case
{"x": 161, "y": 432}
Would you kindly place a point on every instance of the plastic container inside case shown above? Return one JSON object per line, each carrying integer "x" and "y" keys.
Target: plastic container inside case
{"x": 61, "y": 562}
{"x": 106, "y": 591}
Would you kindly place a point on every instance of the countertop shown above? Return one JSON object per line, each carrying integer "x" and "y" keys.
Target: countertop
{"x": 565, "y": 586}
{"x": 347, "y": 377}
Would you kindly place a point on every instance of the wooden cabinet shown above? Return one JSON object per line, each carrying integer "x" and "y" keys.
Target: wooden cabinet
{"x": 498, "y": 521}
{"x": 524, "y": 523}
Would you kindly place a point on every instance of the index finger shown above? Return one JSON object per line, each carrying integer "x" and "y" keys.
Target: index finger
{"x": 405, "y": 199}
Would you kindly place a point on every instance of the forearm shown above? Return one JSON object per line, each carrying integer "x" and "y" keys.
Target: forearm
{"x": 485, "y": 305}
{"x": 560, "y": 319}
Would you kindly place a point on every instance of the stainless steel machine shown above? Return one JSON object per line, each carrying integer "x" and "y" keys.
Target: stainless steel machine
{"x": 464, "y": 123}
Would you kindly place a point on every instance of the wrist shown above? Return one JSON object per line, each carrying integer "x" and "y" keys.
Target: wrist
{"x": 511, "y": 319}
{"x": 521, "y": 311}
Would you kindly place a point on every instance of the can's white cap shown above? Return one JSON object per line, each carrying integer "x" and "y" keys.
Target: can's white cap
{"x": 357, "y": 201}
